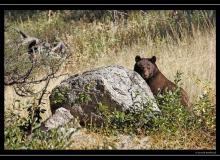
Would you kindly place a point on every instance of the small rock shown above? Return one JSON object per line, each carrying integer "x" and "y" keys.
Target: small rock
{"x": 61, "y": 117}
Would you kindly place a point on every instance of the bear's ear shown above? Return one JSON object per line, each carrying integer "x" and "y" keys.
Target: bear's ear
{"x": 153, "y": 59}
{"x": 137, "y": 58}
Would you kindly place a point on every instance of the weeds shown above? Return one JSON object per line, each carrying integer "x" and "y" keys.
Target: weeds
{"x": 181, "y": 39}
{"x": 174, "y": 121}
{"x": 17, "y": 138}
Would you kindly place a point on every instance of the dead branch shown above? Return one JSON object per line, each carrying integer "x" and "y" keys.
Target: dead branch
{"x": 21, "y": 79}
{"x": 43, "y": 91}
{"x": 22, "y": 83}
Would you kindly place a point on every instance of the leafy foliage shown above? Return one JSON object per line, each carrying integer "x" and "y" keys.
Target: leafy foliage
{"x": 59, "y": 96}
{"x": 17, "y": 138}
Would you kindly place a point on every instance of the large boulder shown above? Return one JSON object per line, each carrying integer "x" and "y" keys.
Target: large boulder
{"x": 113, "y": 86}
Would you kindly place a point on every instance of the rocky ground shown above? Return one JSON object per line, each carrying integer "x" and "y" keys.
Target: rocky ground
{"x": 84, "y": 139}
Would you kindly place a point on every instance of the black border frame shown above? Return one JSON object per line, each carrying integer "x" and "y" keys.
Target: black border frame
{"x": 107, "y": 152}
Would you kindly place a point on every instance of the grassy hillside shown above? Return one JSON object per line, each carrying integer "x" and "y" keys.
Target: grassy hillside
{"x": 182, "y": 41}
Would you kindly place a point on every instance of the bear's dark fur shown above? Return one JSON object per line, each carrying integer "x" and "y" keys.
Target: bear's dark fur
{"x": 149, "y": 71}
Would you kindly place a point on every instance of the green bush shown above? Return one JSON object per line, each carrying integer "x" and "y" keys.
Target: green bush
{"x": 17, "y": 138}
{"x": 174, "y": 117}
{"x": 173, "y": 120}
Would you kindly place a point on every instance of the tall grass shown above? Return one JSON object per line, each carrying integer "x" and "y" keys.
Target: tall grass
{"x": 186, "y": 43}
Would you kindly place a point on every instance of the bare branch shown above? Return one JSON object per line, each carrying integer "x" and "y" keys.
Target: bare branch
{"x": 30, "y": 41}
{"x": 22, "y": 83}
{"x": 19, "y": 92}
{"x": 22, "y": 78}
{"x": 43, "y": 92}
{"x": 46, "y": 78}
{"x": 60, "y": 47}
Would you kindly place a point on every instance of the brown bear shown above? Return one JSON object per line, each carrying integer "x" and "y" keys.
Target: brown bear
{"x": 149, "y": 71}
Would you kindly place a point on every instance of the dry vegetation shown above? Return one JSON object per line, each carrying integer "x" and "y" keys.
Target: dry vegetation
{"x": 103, "y": 42}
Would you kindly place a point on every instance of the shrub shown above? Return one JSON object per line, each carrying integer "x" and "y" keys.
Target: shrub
{"x": 16, "y": 136}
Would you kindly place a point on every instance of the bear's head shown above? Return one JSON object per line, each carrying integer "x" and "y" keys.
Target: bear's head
{"x": 146, "y": 67}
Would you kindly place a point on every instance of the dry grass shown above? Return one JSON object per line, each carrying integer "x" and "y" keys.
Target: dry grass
{"x": 93, "y": 45}
{"x": 195, "y": 57}
{"x": 188, "y": 140}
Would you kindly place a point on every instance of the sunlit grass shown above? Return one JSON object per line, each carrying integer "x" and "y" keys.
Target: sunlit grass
{"x": 102, "y": 43}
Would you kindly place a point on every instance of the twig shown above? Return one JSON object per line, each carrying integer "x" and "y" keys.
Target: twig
{"x": 43, "y": 92}
{"x": 22, "y": 79}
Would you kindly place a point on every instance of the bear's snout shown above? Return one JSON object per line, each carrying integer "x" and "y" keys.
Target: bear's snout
{"x": 146, "y": 74}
